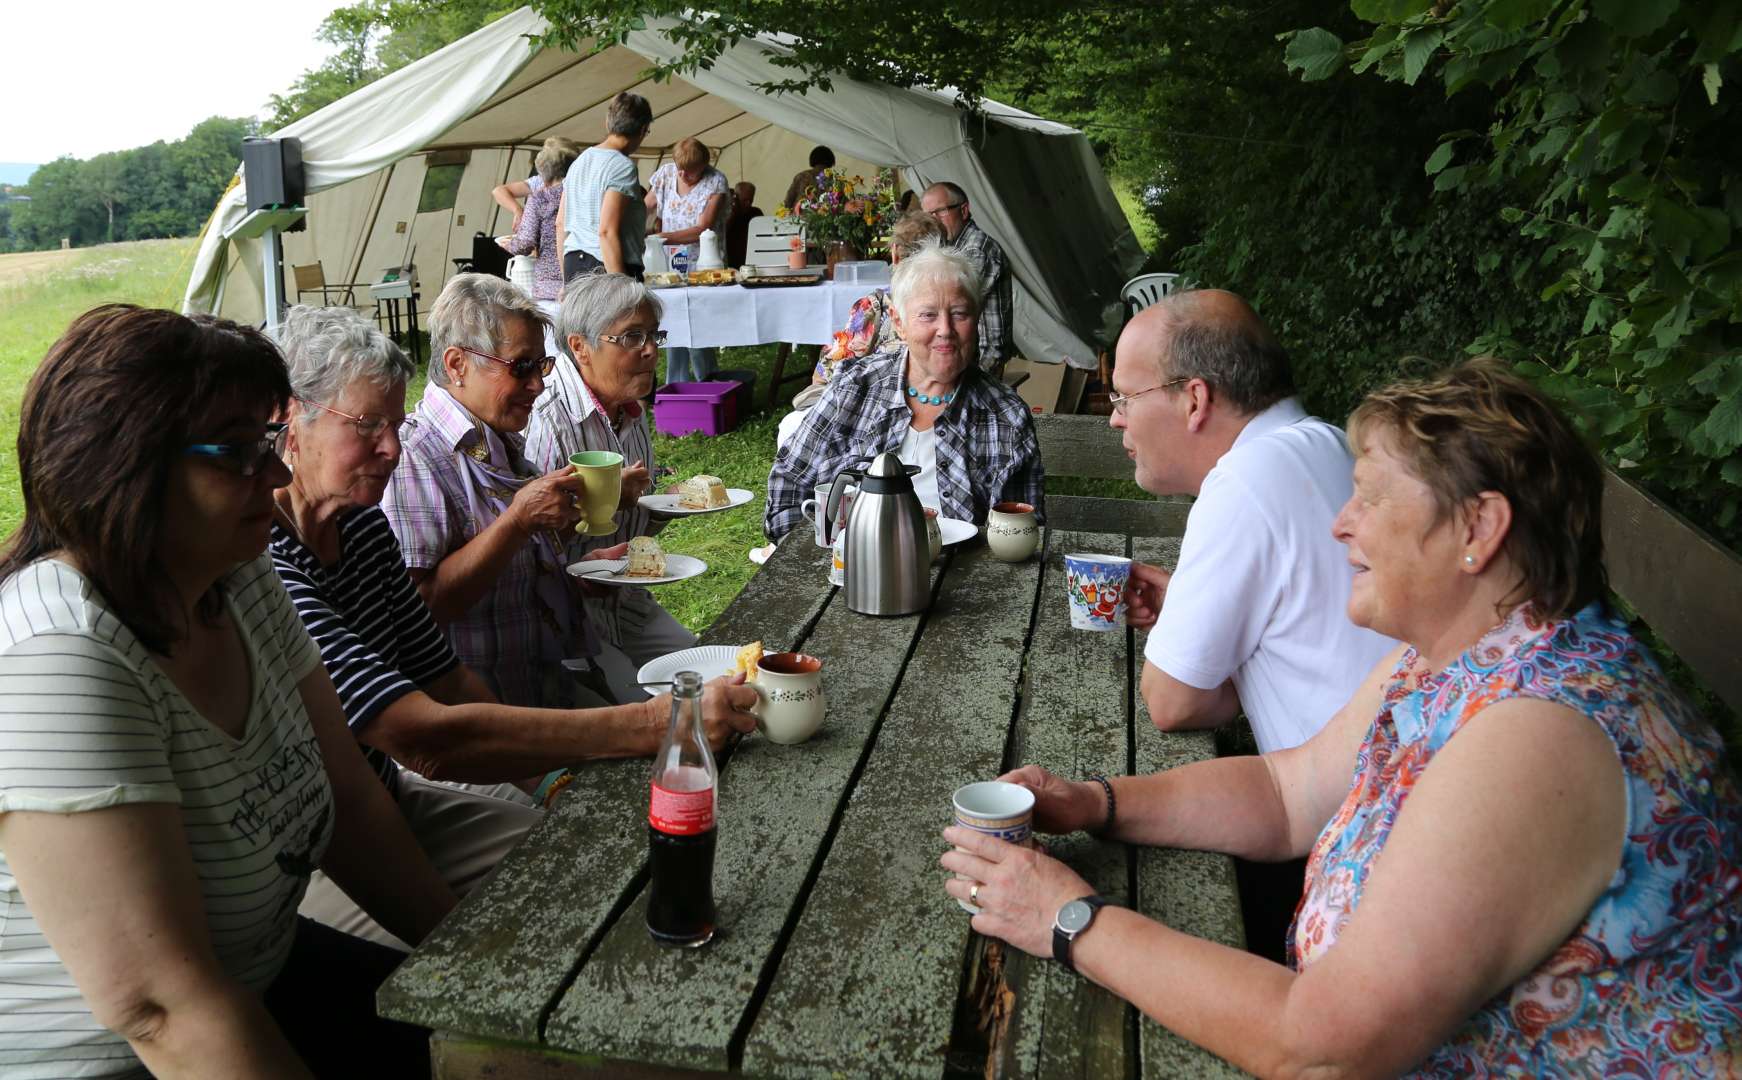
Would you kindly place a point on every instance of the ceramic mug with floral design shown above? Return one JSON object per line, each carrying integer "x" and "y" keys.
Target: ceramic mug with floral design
{"x": 1012, "y": 532}
{"x": 790, "y": 688}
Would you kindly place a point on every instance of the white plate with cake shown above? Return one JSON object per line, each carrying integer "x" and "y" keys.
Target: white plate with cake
{"x": 710, "y": 661}
{"x": 702, "y": 494}
{"x": 647, "y": 564}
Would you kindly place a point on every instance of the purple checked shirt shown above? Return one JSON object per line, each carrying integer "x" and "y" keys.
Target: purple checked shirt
{"x": 514, "y": 636}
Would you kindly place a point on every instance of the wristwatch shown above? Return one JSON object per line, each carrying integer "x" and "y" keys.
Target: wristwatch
{"x": 1071, "y": 921}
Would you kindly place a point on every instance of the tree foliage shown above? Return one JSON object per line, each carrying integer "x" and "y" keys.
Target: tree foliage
{"x": 374, "y": 38}
{"x": 164, "y": 189}
{"x": 1612, "y": 141}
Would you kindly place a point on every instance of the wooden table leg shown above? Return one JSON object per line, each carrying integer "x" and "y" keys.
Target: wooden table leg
{"x": 781, "y": 356}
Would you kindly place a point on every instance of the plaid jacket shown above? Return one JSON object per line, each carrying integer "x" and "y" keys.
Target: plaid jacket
{"x": 986, "y": 447}
{"x": 996, "y": 312}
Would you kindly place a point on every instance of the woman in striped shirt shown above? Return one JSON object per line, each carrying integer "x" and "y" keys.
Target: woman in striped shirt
{"x": 408, "y": 698}
{"x": 173, "y": 761}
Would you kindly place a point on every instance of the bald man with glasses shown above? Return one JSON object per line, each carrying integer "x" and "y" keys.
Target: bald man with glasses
{"x": 948, "y": 206}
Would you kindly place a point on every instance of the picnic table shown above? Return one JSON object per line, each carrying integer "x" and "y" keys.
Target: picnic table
{"x": 838, "y": 953}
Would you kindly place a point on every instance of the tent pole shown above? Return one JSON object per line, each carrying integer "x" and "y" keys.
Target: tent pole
{"x": 272, "y": 276}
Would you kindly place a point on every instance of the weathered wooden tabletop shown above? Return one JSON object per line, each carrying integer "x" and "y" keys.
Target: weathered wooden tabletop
{"x": 839, "y": 954}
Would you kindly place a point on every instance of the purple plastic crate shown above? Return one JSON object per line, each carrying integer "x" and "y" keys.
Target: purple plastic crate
{"x": 708, "y": 407}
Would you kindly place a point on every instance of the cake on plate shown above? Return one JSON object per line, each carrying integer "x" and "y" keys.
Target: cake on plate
{"x": 646, "y": 558}
{"x": 702, "y": 492}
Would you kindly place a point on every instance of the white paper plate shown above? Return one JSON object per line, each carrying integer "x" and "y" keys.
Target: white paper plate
{"x": 955, "y": 530}
{"x": 711, "y": 660}
{"x": 666, "y": 505}
{"x": 677, "y": 568}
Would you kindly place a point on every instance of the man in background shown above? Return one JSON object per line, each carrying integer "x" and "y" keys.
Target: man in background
{"x": 738, "y": 225}
{"x": 948, "y": 206}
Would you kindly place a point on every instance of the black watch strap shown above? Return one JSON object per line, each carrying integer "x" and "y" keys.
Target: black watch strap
{"x": 1062, "y": 941}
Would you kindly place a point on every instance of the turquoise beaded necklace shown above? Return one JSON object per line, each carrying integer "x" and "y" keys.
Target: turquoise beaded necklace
{"x": 926, "y": 399}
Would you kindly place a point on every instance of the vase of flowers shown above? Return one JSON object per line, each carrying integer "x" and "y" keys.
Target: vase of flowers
{"x": 843, "y": 215}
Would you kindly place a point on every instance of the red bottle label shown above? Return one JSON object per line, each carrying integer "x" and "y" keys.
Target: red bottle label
{"x": 681, "y": 813}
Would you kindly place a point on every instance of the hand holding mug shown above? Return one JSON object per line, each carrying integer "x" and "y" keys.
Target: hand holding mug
{"x": 549, "y": 502}
{"x": 1144, "y": 592}
{"x": 1061, "y": 806}
{"x": 1017, "y": 889}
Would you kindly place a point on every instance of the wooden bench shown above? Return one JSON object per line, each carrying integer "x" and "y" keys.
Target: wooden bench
{"x": 1684, "y": 584}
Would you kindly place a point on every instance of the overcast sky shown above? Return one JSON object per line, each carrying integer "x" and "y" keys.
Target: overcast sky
{"x": 99, "y": 75}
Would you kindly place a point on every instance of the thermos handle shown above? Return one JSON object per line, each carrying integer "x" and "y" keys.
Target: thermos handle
{"x": 836, "y": 489}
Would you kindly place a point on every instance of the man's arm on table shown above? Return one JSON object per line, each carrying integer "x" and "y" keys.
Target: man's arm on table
{"x": 1178, "y": 706}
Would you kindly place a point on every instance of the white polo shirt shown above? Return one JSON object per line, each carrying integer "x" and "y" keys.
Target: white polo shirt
{"x": 1262, "y": 589}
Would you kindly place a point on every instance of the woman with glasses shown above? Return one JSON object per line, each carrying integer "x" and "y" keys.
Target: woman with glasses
{"x": 407, "y": 697}
{"x": 485, "y": 534}
{"x": 608, "y": 330}
{"x": 970, "y": 436}
{"x": 173, "y": 760}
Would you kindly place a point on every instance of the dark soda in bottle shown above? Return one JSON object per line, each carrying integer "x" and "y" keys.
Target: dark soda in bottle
{"x": 681, "y": 826}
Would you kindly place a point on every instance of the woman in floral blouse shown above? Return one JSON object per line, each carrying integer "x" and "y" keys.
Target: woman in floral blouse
{"x": 689, "y": 196}
{"x": 1535, "y": 868}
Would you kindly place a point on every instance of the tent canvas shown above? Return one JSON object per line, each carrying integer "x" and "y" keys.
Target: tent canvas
{"x": 441, "y": 132}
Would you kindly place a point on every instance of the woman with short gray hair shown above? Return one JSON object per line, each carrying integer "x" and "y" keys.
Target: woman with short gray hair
{"x": 431, "y": 727}
{"x": 927, "y": 400}
{"x": 536, "y": 231}
{"x": 602, "y": 219}
{"x": 608, "y": 330}
{"x": 481, "y": 528}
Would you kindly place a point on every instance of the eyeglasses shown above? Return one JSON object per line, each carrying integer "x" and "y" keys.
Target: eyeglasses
{"x": 946, "y": 208}
{"x": 244, "y": 458}
{"x": 368, "y": 426}
{"x": 635, "y": 339}
{"x": 1121, "y": 402}
{"x": 520, "y": 369}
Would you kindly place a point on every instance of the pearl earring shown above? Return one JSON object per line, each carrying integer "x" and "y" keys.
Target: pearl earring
{"x": 1469, "y": 560}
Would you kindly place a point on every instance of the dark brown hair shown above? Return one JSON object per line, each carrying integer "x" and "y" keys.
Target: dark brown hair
{"x": 104, "y": 417}
{"x": 1477, "y": 428}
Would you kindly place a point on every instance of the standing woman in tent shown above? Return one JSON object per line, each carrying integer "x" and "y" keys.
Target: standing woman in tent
{"x": 688, "y": 196}
{"x": 537, "y": 228}
{"x": 602, "y": 218}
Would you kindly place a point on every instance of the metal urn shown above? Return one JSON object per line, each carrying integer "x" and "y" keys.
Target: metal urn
{"x": 887, "y": 553}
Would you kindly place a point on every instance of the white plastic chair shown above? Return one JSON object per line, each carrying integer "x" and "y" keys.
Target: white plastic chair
{"x": 1145, "y": 289}
{"x": 769, "y": 240}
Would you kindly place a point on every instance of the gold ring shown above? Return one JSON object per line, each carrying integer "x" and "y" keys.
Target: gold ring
{"x": 974, "y": 894}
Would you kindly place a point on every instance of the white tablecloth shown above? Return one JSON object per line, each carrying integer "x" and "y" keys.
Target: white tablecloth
{"x": 710, "y": 315}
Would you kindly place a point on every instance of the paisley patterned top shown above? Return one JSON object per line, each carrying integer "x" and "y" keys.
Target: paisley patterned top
{"x": 1650, "y": 984}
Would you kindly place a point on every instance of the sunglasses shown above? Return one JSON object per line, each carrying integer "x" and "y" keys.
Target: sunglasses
{"x": 520, "y": 369}
{"x": 244, "y": 458}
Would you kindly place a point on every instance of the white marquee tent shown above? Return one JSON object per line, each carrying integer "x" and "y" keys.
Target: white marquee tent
{"x": 485, "y": 103}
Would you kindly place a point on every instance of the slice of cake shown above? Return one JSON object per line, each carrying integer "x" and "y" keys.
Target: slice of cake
{"x": 646, "y": 558}
{"x": 749, "y": 658}
{"x": 702, "y": 492}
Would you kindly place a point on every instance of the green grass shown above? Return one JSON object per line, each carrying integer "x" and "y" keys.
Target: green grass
{"x": 1125, "y": 190}
{"x": 35, "y": 310}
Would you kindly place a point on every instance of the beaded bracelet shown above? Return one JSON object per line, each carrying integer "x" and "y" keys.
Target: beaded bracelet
{"x": 1107, "y": 786}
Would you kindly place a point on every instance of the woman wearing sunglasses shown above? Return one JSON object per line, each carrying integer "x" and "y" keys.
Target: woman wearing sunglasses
{"x": 174, "y": 764}
{"x": 406, "y": 695}
{"x": 485, "y": 534}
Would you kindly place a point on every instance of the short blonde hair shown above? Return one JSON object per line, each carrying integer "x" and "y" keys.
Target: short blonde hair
{"x": 911, "y": 231}
{"x": 554, "y": 160}
{"x": 690, "y": 155}
{"x": 1477, "y": 428}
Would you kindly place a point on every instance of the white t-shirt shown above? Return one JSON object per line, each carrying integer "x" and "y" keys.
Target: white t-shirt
{"x": 89, "y": 721}
{"x": 921, "y": 448}
{"x": 1262, "y": 589}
